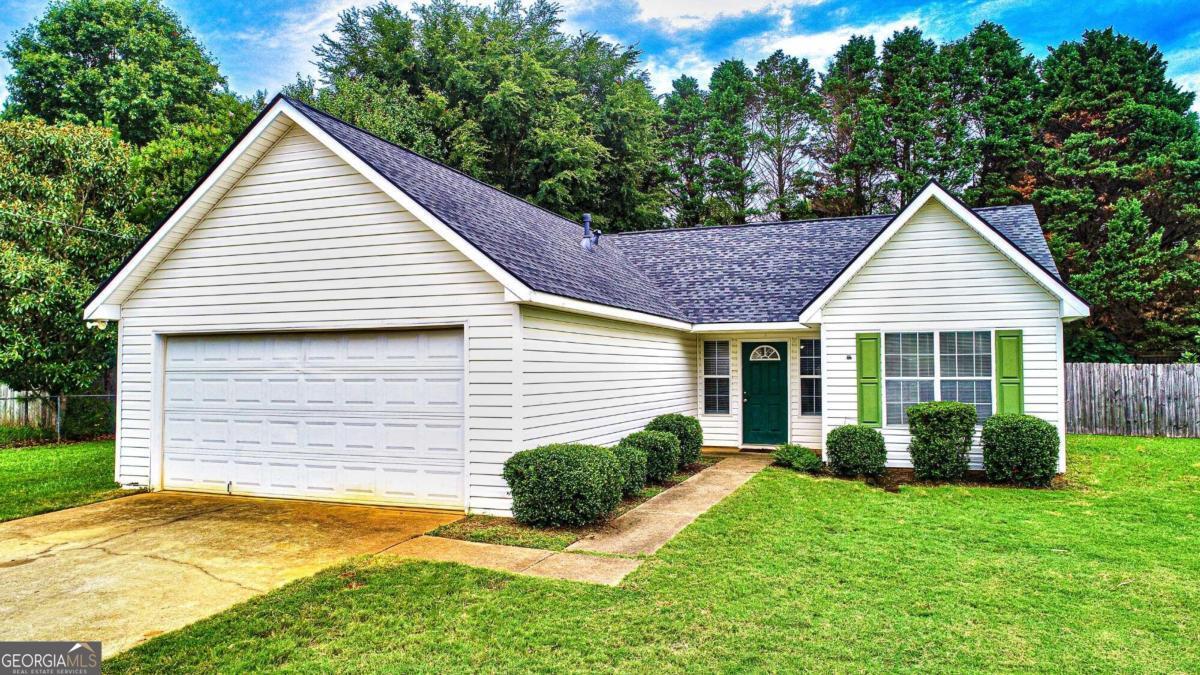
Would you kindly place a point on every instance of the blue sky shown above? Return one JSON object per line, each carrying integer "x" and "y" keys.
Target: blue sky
{"x": 262, "y": 45}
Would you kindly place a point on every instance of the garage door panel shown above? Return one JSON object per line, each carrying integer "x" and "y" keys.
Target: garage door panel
{"x": 369, "y": 417}
{"x": 440, "y": 392}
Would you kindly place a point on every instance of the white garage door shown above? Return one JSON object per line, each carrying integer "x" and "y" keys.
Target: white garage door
{"x": 359, "y": 417}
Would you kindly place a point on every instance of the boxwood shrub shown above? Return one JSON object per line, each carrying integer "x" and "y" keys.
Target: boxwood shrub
{"x": 798, "y": 457}
{"x": 563, "y": 484}
{"x": 1020, "y": 449}
{"x": 856, "y": 450}
{"x": 941, "y": 438}
{"x": 687, "y": 430}
{"x": 633, "y": 468}
{"x": 662, "y": 453}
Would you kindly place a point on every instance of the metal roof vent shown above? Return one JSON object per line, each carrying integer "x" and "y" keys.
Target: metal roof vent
{"x": 591, "y": 238}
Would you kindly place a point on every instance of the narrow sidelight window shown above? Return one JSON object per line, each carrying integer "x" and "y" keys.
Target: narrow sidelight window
{"x": 716, "y": 377}
{"x": 810, "y": 377}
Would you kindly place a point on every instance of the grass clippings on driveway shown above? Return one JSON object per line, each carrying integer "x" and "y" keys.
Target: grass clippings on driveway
{"x": 508, "y": 532}
{"x": 789, "y": 573}
{"x": 44, "y": 478}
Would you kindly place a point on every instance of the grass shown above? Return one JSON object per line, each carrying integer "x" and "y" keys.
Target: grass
{"x": 508, "y": 532}
{"x": 43, "y": 478}
{"x": 12, "y": 436}
{"x": 789, "y": 573}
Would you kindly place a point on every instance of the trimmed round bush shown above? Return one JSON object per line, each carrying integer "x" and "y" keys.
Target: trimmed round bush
{"x": 1020, "y": 449}
{"x": 633, "y": 468}
{"x": 662, "y": 453}
{"x": 856, "y": 450}
{"x": 563, "y": 484}
{"x": 798, "y": 457}
{"x": 941, "y": 438}
{"x": 687, "y": 430}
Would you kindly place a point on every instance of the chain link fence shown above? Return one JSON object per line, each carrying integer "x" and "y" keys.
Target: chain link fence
{"x": 27, "y": 418}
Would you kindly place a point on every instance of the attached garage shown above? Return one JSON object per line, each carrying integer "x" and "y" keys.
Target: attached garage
{"x": 371, "y": 417}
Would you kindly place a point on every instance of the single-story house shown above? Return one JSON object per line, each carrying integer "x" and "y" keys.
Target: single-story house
{"x": 329, "y": 316}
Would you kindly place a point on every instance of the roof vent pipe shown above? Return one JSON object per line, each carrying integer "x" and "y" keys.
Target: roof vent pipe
{"x": 590, "y": 237}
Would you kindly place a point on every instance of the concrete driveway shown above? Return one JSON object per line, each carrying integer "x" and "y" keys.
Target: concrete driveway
{"x": 125, "y": 570}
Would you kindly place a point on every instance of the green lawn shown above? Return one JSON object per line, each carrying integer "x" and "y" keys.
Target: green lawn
{"x": 45, "y": 478}
{"x": 791, "y": 572}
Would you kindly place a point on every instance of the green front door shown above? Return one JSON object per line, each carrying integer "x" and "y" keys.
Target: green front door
{"x": 764, "y": 393}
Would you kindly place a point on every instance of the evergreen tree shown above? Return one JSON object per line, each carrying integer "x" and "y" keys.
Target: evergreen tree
{"x": 996, "y": 86}
{"x": 684, "y": 113}
{"x": 850, "y": 148}
{"x": 783, "y": 111}
{"x": 731, "y": 180}
{"x": 927, "y": 136}
{"x": 568, "y": 123}
{"x": 1114, "y": 126}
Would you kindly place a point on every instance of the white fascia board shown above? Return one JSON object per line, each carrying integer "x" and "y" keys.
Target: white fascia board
{"x": 750, "y": 327}
{"x": 102, "y": 298}
{"x": 104, "y": 313}
{"x": 1071, "y": 306}
{"x": 503, "y": 277}
{"x": 552, "y": 301}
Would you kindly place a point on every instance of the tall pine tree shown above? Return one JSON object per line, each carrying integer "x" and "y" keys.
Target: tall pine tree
{"x": 996, "y": 86}
{"x": 850, "y": 149}
{"x": 784, "y": 109}
{"x": 686, "y": 153}
{"x": 731, "y": 178}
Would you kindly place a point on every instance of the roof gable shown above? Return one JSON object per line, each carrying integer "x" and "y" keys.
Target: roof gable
{"x": 749, "y": 274}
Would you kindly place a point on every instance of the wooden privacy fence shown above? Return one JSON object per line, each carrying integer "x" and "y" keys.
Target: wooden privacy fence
{"x": 1139, "y": 399}
{"x": 20, "y": 409}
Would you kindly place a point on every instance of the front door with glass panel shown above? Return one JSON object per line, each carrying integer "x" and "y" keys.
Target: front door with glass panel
{"x": 764, "y": 393}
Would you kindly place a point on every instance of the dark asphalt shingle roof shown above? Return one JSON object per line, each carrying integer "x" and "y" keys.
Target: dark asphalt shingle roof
{"x": 761, "y": 272}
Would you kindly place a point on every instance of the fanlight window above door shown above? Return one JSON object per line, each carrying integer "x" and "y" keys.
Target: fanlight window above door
{"x": 764, "y": 353}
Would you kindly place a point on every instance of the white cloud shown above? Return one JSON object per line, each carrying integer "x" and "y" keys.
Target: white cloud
{"x": 676, "y": 15}
{"x": 820, "y": 46}
{"x": 663, "y": 71}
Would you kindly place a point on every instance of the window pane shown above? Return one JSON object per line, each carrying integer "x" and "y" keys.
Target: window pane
{"x": 966, "y": 354}
{"x": 716, "y": 357}
{"x": 974, "y": 392}
{"x": 810, "y": 357}
{"x": 716, "y": 395}
{"x": 900, "y": 394}
{"x": 810, "y": 396}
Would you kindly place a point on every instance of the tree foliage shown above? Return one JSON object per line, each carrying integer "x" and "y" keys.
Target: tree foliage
{"x": 64, "y": 203}
{"x": 568, "y": 122}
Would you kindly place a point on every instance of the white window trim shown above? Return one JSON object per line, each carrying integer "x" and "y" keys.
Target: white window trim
{"x": 937, "y": 365}
{"x": 817, "y": 376}
{"x": 705, "y": 377}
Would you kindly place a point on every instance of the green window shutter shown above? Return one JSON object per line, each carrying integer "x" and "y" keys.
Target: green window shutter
{"x": 1010, "y": 386}
{"x": 870, "y": 384}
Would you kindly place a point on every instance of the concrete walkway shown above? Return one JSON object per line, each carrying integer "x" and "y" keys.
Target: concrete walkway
{"x": 532, "y": 561}
{"x": 640, "y": 531}
{"x": 645, "y": 529}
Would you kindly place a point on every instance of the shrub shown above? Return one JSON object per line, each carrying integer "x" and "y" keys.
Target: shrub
{"x": 1020, "y": 449}
{"x": 86, "y": 417}
{"x": 633, "y": 468}
{"x": 941, "y": 438}
{"x": 856, "y": 450}
{"x": 687, "y": 430}
{"x": 662, "y": 453}
{"x": 18, "y": 435}
{"x": 798, "y": 457}
{"x": 563, "y": 484}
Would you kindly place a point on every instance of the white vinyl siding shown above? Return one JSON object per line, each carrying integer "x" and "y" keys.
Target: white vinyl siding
{"x": 726, "y": 430}
{"x": 936, "y": 274}
{"x": 591, "y": 380}
{"x": 304, "y": 242}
